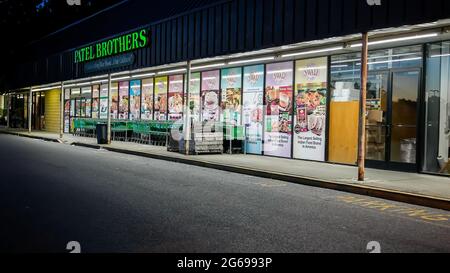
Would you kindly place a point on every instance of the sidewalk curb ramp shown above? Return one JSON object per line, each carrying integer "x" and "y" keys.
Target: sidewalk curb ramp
{"x": 404, "y": 197}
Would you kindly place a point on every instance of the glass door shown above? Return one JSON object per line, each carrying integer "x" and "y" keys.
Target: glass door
{"x": 377, "y": 116}
{"x": 404, "y": 114}
{"x": 391, "y": 120}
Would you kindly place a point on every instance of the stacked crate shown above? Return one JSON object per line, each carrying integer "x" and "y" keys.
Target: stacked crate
{"x": 208, "y": 138}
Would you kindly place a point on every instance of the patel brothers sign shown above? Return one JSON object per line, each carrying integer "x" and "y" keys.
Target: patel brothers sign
{"x": 114, "y": 46}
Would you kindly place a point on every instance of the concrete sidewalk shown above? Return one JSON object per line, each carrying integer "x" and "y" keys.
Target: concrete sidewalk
{"x": 419, "y": 189}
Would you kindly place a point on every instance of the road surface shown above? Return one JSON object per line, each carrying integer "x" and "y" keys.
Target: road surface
{"x": 53, "y": 193}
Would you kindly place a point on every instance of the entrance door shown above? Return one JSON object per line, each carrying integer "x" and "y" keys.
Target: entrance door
{"x": 392, "y": 116}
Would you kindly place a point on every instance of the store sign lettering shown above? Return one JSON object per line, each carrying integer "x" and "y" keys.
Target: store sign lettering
{"x": 118, "y": 45}
{"x": 311, "y": 72}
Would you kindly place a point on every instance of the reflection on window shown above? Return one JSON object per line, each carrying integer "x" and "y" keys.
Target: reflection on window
{"x": 437, "y": 136}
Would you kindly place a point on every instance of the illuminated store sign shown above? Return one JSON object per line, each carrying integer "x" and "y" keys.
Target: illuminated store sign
{"x": 118, "y": 45}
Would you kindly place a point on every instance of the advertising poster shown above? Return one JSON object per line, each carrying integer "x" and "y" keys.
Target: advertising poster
{"x": 310, "y": 109}
{"x": 103, "y": 102}
{"x": 147, "y": 99}
{"x": 135, "y": 100}
{"x": 161, "y": 98}
{"x": 66, "y": 94}
{"x": 124, "y": 100}
{"x": 95, "y": 101}
{"x": 194, "y": 96}
{"x": 114, "y": 109}
{"x": 231, "y": 95}
{"x": 253, "y": 104}
{"x": 88, "y": 107}
{"x": 66, "y": 124}
{"x": 279, "y": 108}
{"x": 67, "y": 116}
{"x": 72, "y": 107}
{"x": 210, "y": 96}
{"x": 175, "y": 101}
{"x": 78, "y": 107}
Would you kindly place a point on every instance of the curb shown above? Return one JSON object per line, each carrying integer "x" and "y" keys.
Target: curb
{"x": 410, "y": 198}
{"x": 29, "y": 136}
{"x": 415, "y": 199}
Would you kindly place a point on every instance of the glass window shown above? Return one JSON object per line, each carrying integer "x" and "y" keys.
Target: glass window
{"x": 437, "y": 135}
{"x": 123, "y": 100}
{"x": 175, "y": 101}
{"x": 161, "y": 98}
{"x": 135, "y": 100}
{"x": 345, "y": 91}
{"x": 114, "y": 109}
{"x": 147, "y": 99}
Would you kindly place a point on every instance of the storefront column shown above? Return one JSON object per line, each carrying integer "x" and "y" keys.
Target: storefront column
{"x": 187, "y": 123}
{"x": 30, "y": 114}
{"x": 61, "y": 112}
{"x": 109, "y": 111}
{"x": 362, "y": 108}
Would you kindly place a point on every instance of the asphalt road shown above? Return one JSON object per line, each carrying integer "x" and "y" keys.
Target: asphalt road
{"x": 53, "y": 193}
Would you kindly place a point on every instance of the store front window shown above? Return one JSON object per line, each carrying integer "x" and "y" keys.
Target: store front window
{"x": 437, "y": 97}
{"x": 392, "y": 107}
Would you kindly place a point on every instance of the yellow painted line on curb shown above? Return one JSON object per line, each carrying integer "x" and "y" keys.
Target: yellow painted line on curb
{"x": 423, "y": 215}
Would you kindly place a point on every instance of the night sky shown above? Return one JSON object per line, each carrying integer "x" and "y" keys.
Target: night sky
{"x": 28, "y": 34}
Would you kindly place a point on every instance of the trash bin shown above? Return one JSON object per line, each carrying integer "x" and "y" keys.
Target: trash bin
{"x": 408, "y": 150}
{"x": 101, "y": 130}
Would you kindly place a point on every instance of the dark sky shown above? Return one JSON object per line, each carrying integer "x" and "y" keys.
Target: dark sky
{"x": 27, "y": 33}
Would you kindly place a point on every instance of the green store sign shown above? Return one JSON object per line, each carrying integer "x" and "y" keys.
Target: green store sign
{"x": 118, "y": 45}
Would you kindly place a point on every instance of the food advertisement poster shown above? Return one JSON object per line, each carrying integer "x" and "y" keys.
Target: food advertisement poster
{"x": 114, "y": 101}
{"x": 103, "y": 102}
{"x": 88, "y": 107}
{"x": 67, "y": 116}
{"x": 123, "y": 100}
{"x": 310, "y": 109}
{"x": 66, "y": 94}
{"x": 210, "y": 95}
{"x": 161, "y": 98}
{"x": 147, "y": 99}
{"x": 175, "y": 102}
{"x": 72, "y": 107}
{"x": 95, "y": 101}
{"x": 253, "y": 101}
{"x": 77, "y": 108}
{"x": 279, "y": 108}
{"x": 231, "y": 95}
{"x": 194, "y": 96}
{"x": 135, "y": 100}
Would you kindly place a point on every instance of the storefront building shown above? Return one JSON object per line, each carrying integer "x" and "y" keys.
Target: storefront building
{"x": 291, "y": 80}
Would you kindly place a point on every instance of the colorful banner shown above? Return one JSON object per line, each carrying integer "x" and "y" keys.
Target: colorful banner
{"x": 88, "y": 107}
{"x": 135, "y": 100}
{"x": 147, "y": 99}
{"x": 279, "y": 104}
{"x": 72, "y": 107}
{"x": 66, "y": 94}
{"x": 114, "y": 109}
{"x": 210, "y": 96}
{"x": 95, "y": 101}
{"x": 104, "y": 102}
{"x": 67, "y": 115}
{"x": 194, "y": 96}
{"x": 253, "y": 107}
{"x": 231, "y": 95}
{"x": 175, "y": 102}
{"x": 161, "y": 98}
{"x": 124, "y": 99}
{"x": 310, "y": 109}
